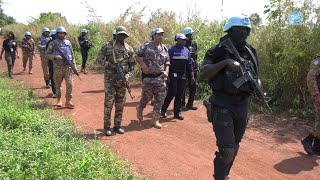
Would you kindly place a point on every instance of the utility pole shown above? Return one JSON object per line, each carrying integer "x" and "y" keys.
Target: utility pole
{"x": 221, "y": 10}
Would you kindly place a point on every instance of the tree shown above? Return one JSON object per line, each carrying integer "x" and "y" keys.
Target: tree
{"x": 255, "y": 19}
{"x": 4, "y": 19}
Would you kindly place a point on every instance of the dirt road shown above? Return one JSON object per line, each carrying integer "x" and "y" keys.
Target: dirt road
{"x": 183, "y": 149}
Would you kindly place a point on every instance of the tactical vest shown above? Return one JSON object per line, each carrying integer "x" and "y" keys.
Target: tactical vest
{"x": 178, "y": 63}
{"x": 44, "y": 40}
{"x": 223, "y": 81}
{"x": 65, "y": 47}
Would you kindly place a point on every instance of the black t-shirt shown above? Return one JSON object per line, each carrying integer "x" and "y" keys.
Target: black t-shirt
{"x": 9, "y": 45}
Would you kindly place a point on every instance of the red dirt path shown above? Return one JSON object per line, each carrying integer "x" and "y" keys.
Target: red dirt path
{"x": 183, "y": 149}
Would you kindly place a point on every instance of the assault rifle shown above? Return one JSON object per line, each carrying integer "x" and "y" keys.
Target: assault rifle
{"x": 248, "y": 73}
{"x": 66, "y": 59}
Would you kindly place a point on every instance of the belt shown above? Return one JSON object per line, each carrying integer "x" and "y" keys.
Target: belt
{"x": 230, "y": 96}
{"x": 151, "y": 75}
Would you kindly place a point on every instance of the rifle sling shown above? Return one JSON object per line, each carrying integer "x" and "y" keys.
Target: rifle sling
{"x": 253, "y": 58}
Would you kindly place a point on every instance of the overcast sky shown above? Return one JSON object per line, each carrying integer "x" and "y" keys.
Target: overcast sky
{"x": 76, "y": 12}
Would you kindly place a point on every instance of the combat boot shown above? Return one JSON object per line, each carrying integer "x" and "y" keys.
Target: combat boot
{"x": 307, "y": 144}
{"x": 30, "y": 71}
{"x": 139, "y": 113}
{"x": 59, "y": 102}
{"x": 155, "y": 120}
{"x": 69, "y": 104}
{"x": 81, "y": 69}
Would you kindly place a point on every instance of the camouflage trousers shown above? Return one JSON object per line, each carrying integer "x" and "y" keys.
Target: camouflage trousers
{"x": 25, "y": 58}
{"x": 153, "y": 88}
{"x": 115, "y": 93}
{"x": 10, "y": 59}
{"x": 315, "y": 93}
{"x": 63, "y": 72}
{"x": 45, "y": 67}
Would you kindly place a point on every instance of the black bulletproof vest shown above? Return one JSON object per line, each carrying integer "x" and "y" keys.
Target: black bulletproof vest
{"x": 223, "y": 81}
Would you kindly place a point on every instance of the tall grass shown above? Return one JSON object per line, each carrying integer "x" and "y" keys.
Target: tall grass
{"x": 38, "y": 144}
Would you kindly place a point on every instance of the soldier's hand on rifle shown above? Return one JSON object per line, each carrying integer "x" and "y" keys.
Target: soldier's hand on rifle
{"x": 234, "y": 65}
{"x": 58, "y": 57}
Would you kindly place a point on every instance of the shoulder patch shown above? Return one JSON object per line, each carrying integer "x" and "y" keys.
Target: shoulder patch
{"x": 316, "y": 62}
{"x": 67, "y": 42}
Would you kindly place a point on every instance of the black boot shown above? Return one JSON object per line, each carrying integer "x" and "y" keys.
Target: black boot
{"x": 307, "y": 144}
{"x": 316, "y": 146}
{"x": 107, "y": 132}
{"x": 178, "y": 116}
{"x": 164, "y": 114}
{"x": 118, "y": 130}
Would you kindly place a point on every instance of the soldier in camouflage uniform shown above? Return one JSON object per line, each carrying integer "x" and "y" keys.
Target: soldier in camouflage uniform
{"x": 42, "y": 42}
{"x": 28, "y": 48}
{"x": 116, "y": 55}
{"x": 154, "y": 61}
{"x": 60, "y": 68}
{"x": 311, "y": 143}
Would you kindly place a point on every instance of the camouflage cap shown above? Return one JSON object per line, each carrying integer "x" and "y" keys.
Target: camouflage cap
{"x": 121, "y": 30}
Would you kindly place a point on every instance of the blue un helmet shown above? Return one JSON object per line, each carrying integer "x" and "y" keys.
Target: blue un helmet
{"x": 53, "y": 32}
{"x": 237, "y": 21}
{"x": 84, "y": 31}
{"x": 27, "y": 34}
{"x": 187, "y": 30}
{"x": 61, "y": 29}
{"x": 45, "y": 29}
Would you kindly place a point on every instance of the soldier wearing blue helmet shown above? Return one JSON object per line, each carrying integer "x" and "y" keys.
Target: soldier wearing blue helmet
{"x": 50, "y": 64}
{"x": 228, "y": 105}
{"x": 193, "y": 48}
{"x": 28, "y": 50}
{"x": 85, "y": 45}
{"x": 42, "y": 42}
{"x": 62, "y": 71}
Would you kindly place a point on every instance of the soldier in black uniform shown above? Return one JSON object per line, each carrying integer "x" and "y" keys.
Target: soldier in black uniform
{"x": 229, "y": 104}
{"x": 85, "y": 45}
{"x": 50, "y": 64}
{"x": 193, "y": 48}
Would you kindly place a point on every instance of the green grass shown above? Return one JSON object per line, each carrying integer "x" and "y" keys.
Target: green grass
{"x": 35, "y": 143}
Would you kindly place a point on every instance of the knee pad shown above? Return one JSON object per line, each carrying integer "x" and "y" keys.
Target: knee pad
{"x": 226, "y": 155}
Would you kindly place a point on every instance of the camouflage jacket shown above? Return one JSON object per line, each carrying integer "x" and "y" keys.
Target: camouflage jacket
{"x": 125, "y": 57}
{"x": 154, "y": 59}
{"x": 313, "y": 77}
{"x": 28, "y": 46}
